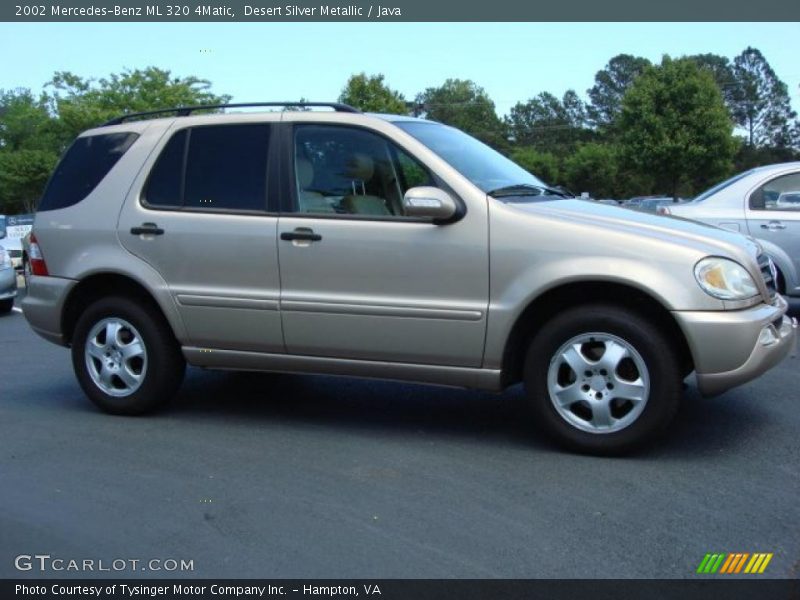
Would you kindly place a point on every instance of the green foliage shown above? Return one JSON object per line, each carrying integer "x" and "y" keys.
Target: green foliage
{"x": 84, "y": 103}
{"x": 761, "y": 102}
{"x": 23, "y": 175}
{"x": 467, "y": 106}
{"x": 370, "y": 94}
{"x": 610, "y": 85}
{"x": 647, "y": 129}
{"x": 550, "y": 124}
{"x": 721, "y": 69}
{"x": 34, "y": 131}
{"x": 594, "y": 168}
{"x": 544, "y": 165}
{"x": 674, "y": 126}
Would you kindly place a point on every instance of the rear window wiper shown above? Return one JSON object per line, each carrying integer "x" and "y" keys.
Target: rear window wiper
{"x": 526, "y": 189}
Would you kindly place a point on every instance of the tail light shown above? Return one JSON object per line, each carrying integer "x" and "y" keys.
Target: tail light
{"x": 36, "y": 258}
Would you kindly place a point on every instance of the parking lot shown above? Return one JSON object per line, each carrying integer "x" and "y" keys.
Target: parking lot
{"x": 260, "y": 475}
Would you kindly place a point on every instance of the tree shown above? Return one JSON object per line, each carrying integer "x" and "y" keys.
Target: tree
{"x": 370, "y": 94}
{"x": 674, "y": 126}
{"x": 610, "y": 85}
{"x": 761, "y": 101}
{"x": 34, "y": 131}
{"x": 549, "y": 124}
{"x": 84, "y": 103}
{"x": 543, "y": 165}
{"x": 29, "y": 149}
{"x": 721, "y": 70}
{"x": 467, "y": 106}
{"x": 593, "y": 168}
{"x": 23, "y": 175}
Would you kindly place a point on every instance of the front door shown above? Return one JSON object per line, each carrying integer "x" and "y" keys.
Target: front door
{"x": 773, "y": 215}
{"x": 359, "y": 279}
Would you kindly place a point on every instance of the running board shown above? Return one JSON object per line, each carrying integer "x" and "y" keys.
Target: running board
{"x": 235, "y": 360}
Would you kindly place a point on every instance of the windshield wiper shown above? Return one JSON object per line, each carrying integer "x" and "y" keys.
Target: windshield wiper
{"x": 526, "y": 189}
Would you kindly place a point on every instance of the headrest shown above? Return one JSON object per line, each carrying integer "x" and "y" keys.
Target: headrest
{"x": 360, "y": 166}
{"x": 305, "y": 172}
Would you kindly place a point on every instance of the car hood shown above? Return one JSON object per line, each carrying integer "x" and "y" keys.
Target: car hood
{"x": 706, "y": 238}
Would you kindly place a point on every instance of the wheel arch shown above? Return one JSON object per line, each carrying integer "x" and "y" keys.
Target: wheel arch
{"x": 571, "y": 295}
{"x": 104, "y": 284}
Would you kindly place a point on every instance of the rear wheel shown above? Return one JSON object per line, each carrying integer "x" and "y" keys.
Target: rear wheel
{"x": 602, "y": 380}
{"x": 125, "y": 356}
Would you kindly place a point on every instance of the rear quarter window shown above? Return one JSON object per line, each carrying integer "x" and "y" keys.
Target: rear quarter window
{"x": 84, "y": 165}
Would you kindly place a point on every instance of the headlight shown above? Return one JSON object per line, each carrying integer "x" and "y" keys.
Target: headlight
{"x": 724, "y": 279}
{"x": 5, "y": 258}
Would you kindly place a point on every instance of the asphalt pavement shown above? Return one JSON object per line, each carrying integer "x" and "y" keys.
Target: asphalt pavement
{"x": 284, "y": 476}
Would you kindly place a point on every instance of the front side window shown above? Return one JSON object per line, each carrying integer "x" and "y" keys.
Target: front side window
{"x": 83, "y": 167}
{"x": 349, "y": 171}
{"x": 220, "y": 167}
{"x": 780, "y": 194}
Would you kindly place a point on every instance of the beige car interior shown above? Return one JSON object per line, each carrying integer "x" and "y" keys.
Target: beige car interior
{"x": 309, "y": 201}
{"x": 369, "y": 181}
{"x": 361, "y": 169}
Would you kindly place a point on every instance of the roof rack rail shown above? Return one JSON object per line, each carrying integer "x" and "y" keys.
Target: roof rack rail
{"x": 185, "y": 111}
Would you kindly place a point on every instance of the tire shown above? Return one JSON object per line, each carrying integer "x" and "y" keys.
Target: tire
{"x": 123, "y": 376}
{"x": 6, "y": 306}
{"x": 612, "y": 352}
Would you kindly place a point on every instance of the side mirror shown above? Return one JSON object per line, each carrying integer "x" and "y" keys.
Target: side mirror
{"x": 429, "y": 202}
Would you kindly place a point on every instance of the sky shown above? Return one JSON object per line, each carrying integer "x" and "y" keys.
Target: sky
{"x": 285, "y": 61}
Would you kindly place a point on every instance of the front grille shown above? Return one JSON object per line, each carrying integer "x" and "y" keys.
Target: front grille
{"x": 767, "y": 272}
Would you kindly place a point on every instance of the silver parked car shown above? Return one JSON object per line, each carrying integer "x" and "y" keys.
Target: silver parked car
{"x": 337, "y": 242}
{"x": 8, "y": 282}
{"x": 764, "y": 203}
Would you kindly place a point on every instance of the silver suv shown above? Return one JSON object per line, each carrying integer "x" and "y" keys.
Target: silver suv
{"x": 330, "y": 241}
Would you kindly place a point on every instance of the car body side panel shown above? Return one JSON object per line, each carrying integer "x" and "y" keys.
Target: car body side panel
{"x": 522, "y": 271}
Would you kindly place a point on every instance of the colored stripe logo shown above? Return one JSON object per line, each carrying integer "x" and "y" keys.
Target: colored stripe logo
{"x": 735, "y": 562}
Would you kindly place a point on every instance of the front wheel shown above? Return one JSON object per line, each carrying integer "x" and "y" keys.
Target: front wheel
{"x": 125, "y": 356}
{"x": 602, "y": 380}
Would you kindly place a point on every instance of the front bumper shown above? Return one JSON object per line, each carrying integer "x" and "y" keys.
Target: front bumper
{"x": 730, "y": 348}
{"x": 8, "y": 284}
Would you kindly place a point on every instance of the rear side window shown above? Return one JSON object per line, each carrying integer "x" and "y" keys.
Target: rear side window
{"x": 83, "y": 167}
{"x": 164, "y": 187}
{"x": 221, "y": 167}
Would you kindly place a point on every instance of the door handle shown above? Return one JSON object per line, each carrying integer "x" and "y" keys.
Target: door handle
{"x": 773, "y": 225}
{"x": 300, "y": 234}
{"x": 147, "y": 229}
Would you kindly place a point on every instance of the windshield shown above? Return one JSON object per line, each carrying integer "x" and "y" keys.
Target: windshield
{"x": 721, "y": 186}
{"x": 486, "y": 168}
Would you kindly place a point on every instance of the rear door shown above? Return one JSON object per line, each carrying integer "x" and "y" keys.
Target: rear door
{"x": 200, "y": 215}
